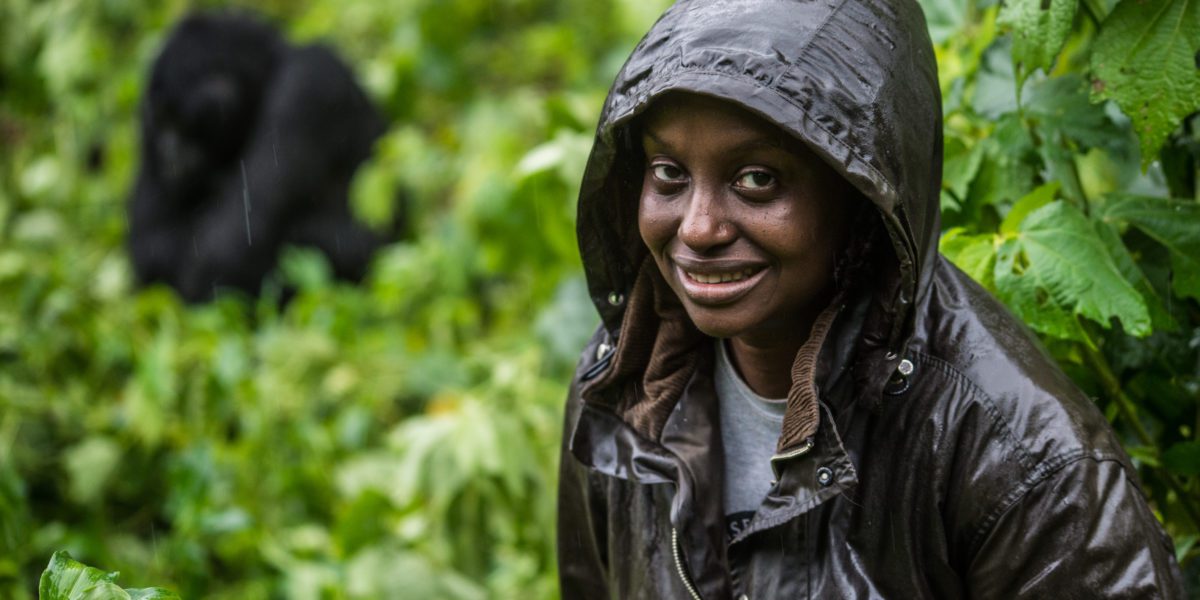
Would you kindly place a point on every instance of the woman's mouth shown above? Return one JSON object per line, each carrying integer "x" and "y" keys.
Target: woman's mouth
{"x": 716, "y": 287}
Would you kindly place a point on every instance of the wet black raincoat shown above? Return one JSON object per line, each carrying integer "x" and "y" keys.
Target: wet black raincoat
{"x": 930, "y": 449}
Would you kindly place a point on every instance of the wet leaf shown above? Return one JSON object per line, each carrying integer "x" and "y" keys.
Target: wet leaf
{"x": 65, "y": 578}
{"x": 1145, "y": 60}
{"x": 1039, "y": 29}
{"x": 68, "y": 579}
{"x": 1056, "y": 268}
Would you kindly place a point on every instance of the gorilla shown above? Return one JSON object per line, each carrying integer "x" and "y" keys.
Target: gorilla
{"x": 247, "y": 144}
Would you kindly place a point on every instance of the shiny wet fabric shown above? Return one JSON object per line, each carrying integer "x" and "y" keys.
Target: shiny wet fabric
{"x": 952, "y": 458}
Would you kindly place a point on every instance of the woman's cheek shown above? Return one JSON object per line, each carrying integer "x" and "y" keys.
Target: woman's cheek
{"x": 654, "y": 223}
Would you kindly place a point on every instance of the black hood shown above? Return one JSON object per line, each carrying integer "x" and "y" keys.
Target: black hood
{"x": 855, "y": 80}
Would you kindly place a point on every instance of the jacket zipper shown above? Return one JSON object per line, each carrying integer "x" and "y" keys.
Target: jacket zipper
{"x": 677, "y": 552}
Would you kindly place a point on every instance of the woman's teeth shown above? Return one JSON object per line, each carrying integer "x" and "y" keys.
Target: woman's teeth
{"x": 720, "y": 277}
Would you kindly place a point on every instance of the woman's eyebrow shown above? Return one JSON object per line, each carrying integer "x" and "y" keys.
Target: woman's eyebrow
{"x": 655, "y": 138}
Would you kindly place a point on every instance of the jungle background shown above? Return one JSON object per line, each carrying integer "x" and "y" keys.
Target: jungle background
{"x": 398, "y": 438}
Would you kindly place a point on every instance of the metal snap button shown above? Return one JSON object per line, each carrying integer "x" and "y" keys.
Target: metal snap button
{"x": 824, "y": 476}
{"x": 901, "y": 378}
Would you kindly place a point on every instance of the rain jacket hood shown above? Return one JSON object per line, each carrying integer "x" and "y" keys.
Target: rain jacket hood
{"x": 856, "y": 82}
{"x": 929, "y": 449}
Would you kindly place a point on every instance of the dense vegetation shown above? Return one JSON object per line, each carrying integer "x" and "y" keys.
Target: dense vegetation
{"x": 399, "y": 438}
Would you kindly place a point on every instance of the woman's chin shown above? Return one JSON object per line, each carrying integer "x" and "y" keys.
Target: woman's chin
{"x": 713, "y": 325}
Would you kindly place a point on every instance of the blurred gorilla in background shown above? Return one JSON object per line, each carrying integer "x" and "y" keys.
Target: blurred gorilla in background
{"x": 248, "y": 143}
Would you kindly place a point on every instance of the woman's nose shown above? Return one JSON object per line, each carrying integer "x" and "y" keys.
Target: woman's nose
{"x": 705, "y": 224}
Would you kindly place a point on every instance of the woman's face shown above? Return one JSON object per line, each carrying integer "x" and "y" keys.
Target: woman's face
{"x": 744, "y": 222}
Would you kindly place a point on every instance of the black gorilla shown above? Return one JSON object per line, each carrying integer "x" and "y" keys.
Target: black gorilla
{"x": 248, "y": 143}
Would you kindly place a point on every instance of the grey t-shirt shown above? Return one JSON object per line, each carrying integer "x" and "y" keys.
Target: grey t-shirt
{"x": 750, "y": 427}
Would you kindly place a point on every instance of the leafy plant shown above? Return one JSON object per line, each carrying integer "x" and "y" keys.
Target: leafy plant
{"x": 68, "y": 579}
{"x": 393, "y": 439}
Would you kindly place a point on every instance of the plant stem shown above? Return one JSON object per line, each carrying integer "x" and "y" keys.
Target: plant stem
{"x": 1095, "y": 11}
{"x": 1125, "y": 405}
{"x": 1112, "y": 388}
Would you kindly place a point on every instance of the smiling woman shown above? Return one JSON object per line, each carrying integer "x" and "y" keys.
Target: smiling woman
{"x": 839, "y": 411}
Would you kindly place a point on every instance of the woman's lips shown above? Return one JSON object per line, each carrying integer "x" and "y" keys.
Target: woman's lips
{"x": 715, "y": 287}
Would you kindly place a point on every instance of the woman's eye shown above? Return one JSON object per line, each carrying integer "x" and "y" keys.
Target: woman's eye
{"x": 755, "y": 180}
{"x": 665, "y": 172}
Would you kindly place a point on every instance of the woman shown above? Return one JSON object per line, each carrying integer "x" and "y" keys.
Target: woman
{"x": 792, "y": 394}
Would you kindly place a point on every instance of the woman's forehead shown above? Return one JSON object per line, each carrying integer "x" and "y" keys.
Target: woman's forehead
{"x": 679, "y": 120}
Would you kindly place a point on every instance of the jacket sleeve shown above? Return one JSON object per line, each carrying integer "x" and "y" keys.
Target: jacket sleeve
{"x": 582, "y": 521}
{"x": 1084, "y": 531}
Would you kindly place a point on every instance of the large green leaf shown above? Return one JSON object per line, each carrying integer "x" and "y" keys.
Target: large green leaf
{"x": 1145, "y": 60}
{"x": 1056, "y": 267}
{"x": 1039, "y": 29}
{"x": 1174, "y": 224}
{"x": 68, "y": 579}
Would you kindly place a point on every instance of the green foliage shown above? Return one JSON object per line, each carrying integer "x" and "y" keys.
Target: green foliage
{"x": 394, "y": 439}
{"x": 68, "y": 579}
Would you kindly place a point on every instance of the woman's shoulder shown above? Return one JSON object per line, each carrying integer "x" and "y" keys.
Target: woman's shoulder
{"x": 1012, "y": 436}
{"x": 981, "y": 363}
